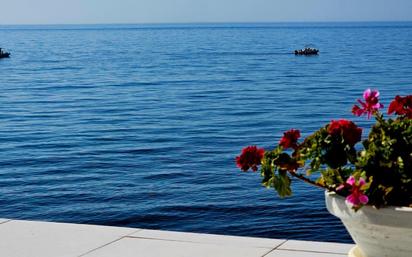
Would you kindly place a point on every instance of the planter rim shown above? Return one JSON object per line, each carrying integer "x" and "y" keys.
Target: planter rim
{"x": 389, "y": 207}
{"x": 385, "y": 216}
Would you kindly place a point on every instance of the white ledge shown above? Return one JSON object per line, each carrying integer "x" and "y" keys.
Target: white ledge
{"x": 46, "y": 239}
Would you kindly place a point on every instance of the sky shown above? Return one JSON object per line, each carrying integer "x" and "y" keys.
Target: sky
{"x": 192, "y": 11}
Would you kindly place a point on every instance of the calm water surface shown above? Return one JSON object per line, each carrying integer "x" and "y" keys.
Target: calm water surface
{"x": 138, "y": 126}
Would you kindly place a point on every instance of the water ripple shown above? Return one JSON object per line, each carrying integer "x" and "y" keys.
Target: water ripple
{"x": 138, "y": 126}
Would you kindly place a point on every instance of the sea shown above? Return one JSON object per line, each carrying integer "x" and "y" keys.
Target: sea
{"x": 139, "y": 125}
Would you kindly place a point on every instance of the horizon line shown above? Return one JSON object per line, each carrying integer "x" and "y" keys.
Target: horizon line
{"x": 204, "y": 22}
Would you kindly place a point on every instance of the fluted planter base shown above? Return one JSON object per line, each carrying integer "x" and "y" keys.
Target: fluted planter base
{"x": 385, "y": 232}
{"x": 355, "y": 252}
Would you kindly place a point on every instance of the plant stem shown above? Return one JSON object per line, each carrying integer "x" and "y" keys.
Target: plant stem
{"x": 305, "y": 179}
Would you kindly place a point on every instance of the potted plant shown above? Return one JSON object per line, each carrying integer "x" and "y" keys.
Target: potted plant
{"x": 368, "y": 186}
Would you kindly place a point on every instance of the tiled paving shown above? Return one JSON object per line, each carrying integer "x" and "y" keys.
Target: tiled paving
{"x": 46, "y": 239}
{"x": 3, "y": 220}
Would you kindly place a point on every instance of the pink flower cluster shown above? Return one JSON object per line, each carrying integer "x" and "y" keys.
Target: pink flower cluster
{"x": 357, "y": 196}
{"x": 371, "y": 104}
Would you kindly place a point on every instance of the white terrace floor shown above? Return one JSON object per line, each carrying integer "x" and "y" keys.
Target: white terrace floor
{"x": 45, "y": 239}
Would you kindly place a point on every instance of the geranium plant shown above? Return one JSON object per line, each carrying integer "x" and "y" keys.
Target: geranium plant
{"x": 378, "y": 172}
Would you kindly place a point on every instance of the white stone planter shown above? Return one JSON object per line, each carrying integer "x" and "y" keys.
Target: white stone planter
{"x": 385, "y": 232}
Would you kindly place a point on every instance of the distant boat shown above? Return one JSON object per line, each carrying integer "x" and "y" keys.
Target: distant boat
{"x": 4, "y": 54}
{"x": 307, "y": 51}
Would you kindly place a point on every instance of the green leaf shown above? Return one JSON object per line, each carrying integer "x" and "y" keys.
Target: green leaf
{"x": 281, "y": 183}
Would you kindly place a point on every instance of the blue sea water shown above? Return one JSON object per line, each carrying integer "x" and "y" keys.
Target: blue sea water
{"x": 139, "y": 125}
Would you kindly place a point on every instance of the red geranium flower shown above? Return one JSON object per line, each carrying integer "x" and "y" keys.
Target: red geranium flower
{"x": 250, "y": 157}
{"x": 371, "y": 104}
{"x": 349, "y": 131}
{"x": 401, "y": 106}
{"x": 290, "y": 139}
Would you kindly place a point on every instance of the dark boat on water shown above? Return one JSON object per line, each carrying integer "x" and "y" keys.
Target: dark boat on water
{"x": 4, "y": 54}
{"x": 307, "y": 51}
